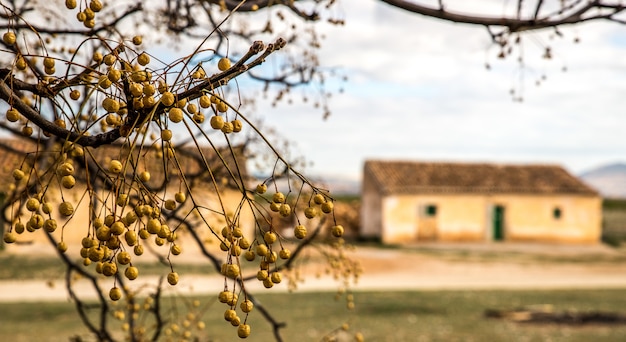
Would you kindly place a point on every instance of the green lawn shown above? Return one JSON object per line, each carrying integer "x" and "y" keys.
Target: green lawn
{"x": 388, "y": 316}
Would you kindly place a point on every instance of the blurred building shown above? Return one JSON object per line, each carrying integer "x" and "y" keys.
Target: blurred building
{"x": 404, "y": 202}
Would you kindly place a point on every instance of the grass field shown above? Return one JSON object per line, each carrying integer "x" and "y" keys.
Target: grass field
{"x": 388, "y": 316}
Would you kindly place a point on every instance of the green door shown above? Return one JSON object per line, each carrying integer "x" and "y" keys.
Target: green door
{"x": 498, "y": 223}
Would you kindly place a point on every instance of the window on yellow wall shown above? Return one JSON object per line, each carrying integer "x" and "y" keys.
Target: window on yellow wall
{"x": 557, "y": 213}
{"x": 430, "y": 210}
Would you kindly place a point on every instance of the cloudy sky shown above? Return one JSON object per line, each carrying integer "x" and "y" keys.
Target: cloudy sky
{"x": 418, "y": 89}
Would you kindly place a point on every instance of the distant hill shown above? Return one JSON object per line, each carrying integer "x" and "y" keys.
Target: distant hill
{"x": 609, "y": 180}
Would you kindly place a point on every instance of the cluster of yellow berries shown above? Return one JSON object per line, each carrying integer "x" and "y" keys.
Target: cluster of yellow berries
{"x": 88, "y": 15}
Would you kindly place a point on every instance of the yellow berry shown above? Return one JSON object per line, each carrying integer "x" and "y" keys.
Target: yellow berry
{"x": 68, "y": 182}
{"x": 70, "y": 4}
{"x": 299, "y": 232}
{"x": 176, "y": 115}
{"x": 217, "y": 122}
{"x": 227, "y": 128}
{"x": 278, "y": 197}
{"x": 205, "y": 101}
{"x": 276, "y": 277}
{"x": 21, "y": 64}
{"x": 18, "y": 174}
{"x": 327, "y": 207}
{"x": 97, "y": 57}
{"x": 243, "y": 330}
{"x": 167, "y": 99}
{"x": 221, "y": 107}
{"x": 284, "y": 254}
{"x": 223, "y": 64}
{"x": 144, "y": 176}
{"x": 48, "y": 62}
{"x": 170, "y": 204}
{"x": 81, "y": 16}
{"x": 166, "y": 135}
{"x": 138, "y": 250}
{"x": 131, "y": 237}
{"x": 115, "y": 293}
{"x": 310, "y": 212}
{"x": 249, "y": 255}
{"x": 232, "y": 271}
{"x": 267, "y": 283}
{"x": 32, "y": 204}
{"x": 111, "y": 105}
{"x": 123, "y": 258}
{"x": 237, "y": 125}
{"x": 143, "y": 59}
{"x": 62, "y": 246}
{"x": 246, "y": 306}
{"x": 65, "y": 169}
{"x": 95, "y": 5}
{"x": 284, "y": 210}
{"x": 137, "y": 40}
{"x": 135, "y": 89}
{"x": 172, "y": 278}
{"x": 114, "y": 75}
{"x": 27, "y": 131}
{"x": 75, "y": 94}
{"x": 9, "y": 38}
{"x": 109, "y": 269}
{"x": 319, "y": 199}
{"x": 115, "y": 166}
{"x": 337, "y": 231}
{"x": 180, "y": 197}
{"x": 9, "y": 237}
{"x": 50, "y": 225}
{"x": 261, "y": 250}
{"x": 269, "y": 238}
{"x": 131, "y": 272}
{"x": 175, "y": 249}
{"x": 13, "y": 115}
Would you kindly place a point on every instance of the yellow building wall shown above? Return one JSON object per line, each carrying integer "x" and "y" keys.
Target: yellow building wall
{"x": 469, "y": 217}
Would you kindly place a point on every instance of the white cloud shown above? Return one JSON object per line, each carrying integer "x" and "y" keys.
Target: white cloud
{"x": 418, "y": 90}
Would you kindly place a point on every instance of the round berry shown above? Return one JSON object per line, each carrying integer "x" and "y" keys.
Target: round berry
{"x": 327, "y": 207}
{"x": 310, "y": 212}
{"x": 9, "y": 38}
{"x": 13, "y": 115}
{"x": 223, "y": 64}
{"x": 137, "y": 40}
{"x": 115, "y": 166}
{"x": 261, "y": 188}
{"x": 269, "y": 238}
{"x": 9, "y": 237}
{"x": 167, "y": 98}
{"x": 172, "y": 278}
{"x": 143, "y": 59}
{"x": 337, "y": 231}
{"x": 278, "y": 197}
{"x": 115, "y": 293}
{"x": 217, "y": 122}
{"x": 176, "y": 115}
{"x": 68, "y": 181}
{"x": 243, "y": 330}
{"x": 299, "y": 232}
{"x": 131, "y": 272}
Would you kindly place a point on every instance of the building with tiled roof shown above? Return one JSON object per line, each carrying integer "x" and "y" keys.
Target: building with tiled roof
{"x": 405, "y": 201}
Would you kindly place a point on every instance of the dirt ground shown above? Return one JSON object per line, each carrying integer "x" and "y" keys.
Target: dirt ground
{"x": 417, "y": 267}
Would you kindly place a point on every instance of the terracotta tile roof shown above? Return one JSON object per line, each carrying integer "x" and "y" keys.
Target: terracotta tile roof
{"x": 13, "y": 152}
{"x": 398, "y": 177}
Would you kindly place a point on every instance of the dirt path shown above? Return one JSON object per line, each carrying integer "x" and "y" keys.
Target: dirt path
{"x": 426, "y": 267}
